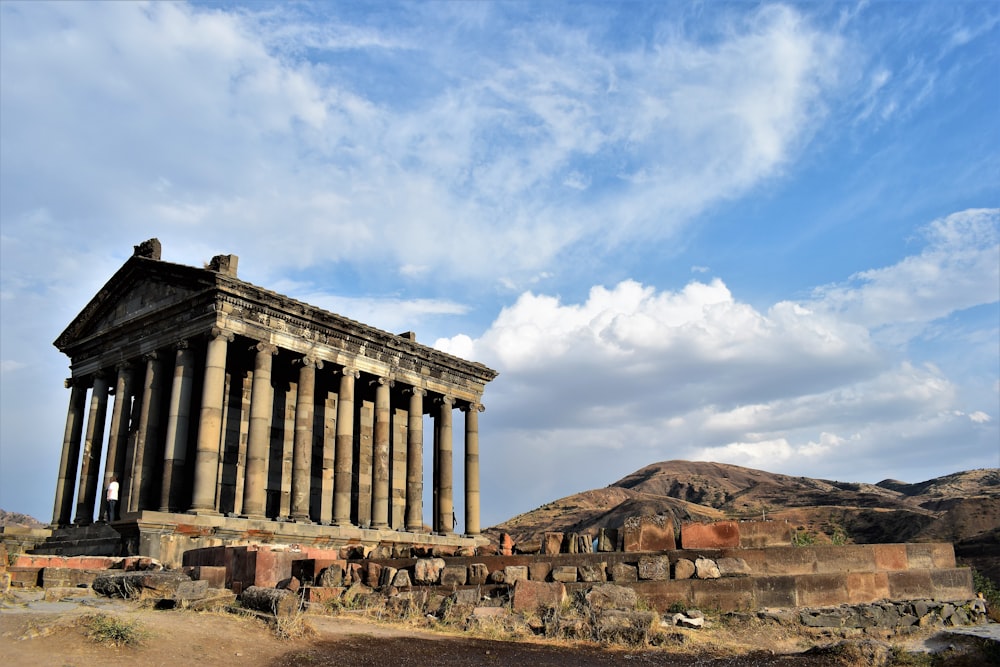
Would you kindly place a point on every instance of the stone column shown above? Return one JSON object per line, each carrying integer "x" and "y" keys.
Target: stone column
{"x": 446, "y": 502}
{"x": 90, "y": 463}
{"x": 178, "y": 423}
{"x": 148, "y": 436}
{"x": 343, "y": 462}
{"x": 305, "y": 404}
{"x": 259, "y": 438}
{"x": 415, "y": 462}
{"x": 472, "y": 411}
{"x": 380, "y": 506}
{"x": 206, "y": 466}
{"x": 118, "y": 438}
{"x": 66, "y": 483}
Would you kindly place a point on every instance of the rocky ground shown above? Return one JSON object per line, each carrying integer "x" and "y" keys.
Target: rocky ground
{"x": 35, "y": 632}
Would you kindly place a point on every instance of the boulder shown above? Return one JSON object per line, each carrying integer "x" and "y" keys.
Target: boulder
{"x": 532, "y": 595}
{"x": 654, "y": 568}
{"x": 683, "y": 568}
{"x": 609, "y": 596}
{"x": 705, "y": 568}
{"x": 427, "y": 571}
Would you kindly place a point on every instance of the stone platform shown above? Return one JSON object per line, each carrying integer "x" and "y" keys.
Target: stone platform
{"x": 165, "y": 536}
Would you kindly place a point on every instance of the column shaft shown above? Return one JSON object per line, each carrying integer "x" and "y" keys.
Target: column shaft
{"x": 90, "y": 463}
{"x": 472, "y": 469}
{"x": 305, "y": 402}
{"x": 446, "y": 503}
{"x": 66, "y": 482}
{"x": 178, "y": 425}
{"x": 380, "y": 474}
{"x": 343, "y": 463}
{"x": 118, "y": 437}
{"x": 206, "y": 464}
{"x": 147, "y": 438}
{"x": 259, "y": 437}
{"x": 415, "y": 462}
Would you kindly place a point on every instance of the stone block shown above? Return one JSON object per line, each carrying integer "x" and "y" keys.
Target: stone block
{"x": 706, "y": 568}
{"x": 539, "y": 571}
{"x": 270, "y": 567}
{"x": 515, "y": 573}
{"x": 489, "y": 612}
{"x": 466, "y": 597}
{"x": 564, "y": 573}
{"x": 733, "y": 567}
{"x": 789, "y": 560}
{"x": 593, "y": 573}
{"x": 213, "y": 574}
{"x": 930, "y": 556}
{"x": 718, "y": 535}
{"x": 610, "y": 596}
{"x": 821, "y": 590}
{"x": 191, "y": 590}
{"x": 683, "y": 568}
{"x": 454, "y": 575}
{"x": 623, "y": 572}
{"x": 552, "y": 543}
{"x": 630, "y": 627}
{"x": 910, "y": 585}
{"x": 331, "y": 575}
{"x": 648, "y": 533}
{"x": 847, "y": 558}
{"x": 607, "y": 540}
{"x": 533, "y": 595}
{"x": 56, "y": 593}
{"x": 760, "y": 534}
{"x": 585, "y": 544}
{"x": 655, "y": 568}
{"x": 388, "y": 576}
{"x": 323, "y": 594}
{"x": 867, "y": 587}
{"x": 571, "y": 543}
{"x": 402, "y": 579}
{"x": 724, "y": 594}
{"x": 373, "y": 575}
{"x": 889, "y": 557}
{"x": 427, "y": 571}
{"x": 478, "y": 573}
{"x": 68, "y": 577}
{"x": 779, "y": 591}
{"x": 953, "y": 584}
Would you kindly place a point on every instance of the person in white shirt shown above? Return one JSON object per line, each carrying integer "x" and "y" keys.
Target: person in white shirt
{"x": 112, "y": 499}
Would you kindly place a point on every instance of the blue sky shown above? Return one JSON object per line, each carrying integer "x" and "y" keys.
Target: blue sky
{"x": 763, "y": 234}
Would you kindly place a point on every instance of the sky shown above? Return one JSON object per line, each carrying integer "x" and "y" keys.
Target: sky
{"x": 753, "y": 233}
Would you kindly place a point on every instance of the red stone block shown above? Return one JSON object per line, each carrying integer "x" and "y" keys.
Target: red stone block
{"x": 821, "y": 590}
{"x": 531, "y": 595}
{"x": 867, "y": 587}
{"x": 322, "y": 595}
{"x": 910, "y": 585}
{"x": 890, "y": 557}
{"x": 759, "y": 534}
{"x": 648, "y": 533}
{"x": 718, "y": 535}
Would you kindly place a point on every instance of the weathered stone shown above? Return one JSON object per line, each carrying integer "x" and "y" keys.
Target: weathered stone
{"x": 610, "y": 596}
{"x": 624, "y": 572}
{"x": 427, "y": 571}
{"x": 155, "y": 585}
{"x": 564, "y": 573}
{"x": 478, "y": 574}
{"x": 275, "y": 601}
{"x": 629, "y": 627}
{"x": 539, "y": 571}
{"x": 683, "y": 568}
{"x": 514, "y": 573}
{"x": 706, "y": 568}
{"x": 688, "y": 621}
{"x": 593, "y": 573}
{"x": 373, "y": 574}
{"x": 607, "y": 540}
{"x": 402, "y": 579}
{"x": 655, "y": 568}
{"x": 733, "y": 567}
{"x": 332, "y": 576}
{"x": 718, "y": 535}
{"x": 454, "y": 575}
{"x": 571, "y": 543}
{"x": 648, "y": 533}
{"x": 195, "y": 590}
{"x": 585, "y": 544}
{"x": 506, "y": 545}
{"x": 533, "y": 595}
{"x": 496, "y": 577}
{"x": 290, "y": 584}
{"x": 387, "y": 576}
{"x": 466, "y": 597}
{"x": 552, "y": 543}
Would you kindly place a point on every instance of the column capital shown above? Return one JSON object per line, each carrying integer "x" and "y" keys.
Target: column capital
{"x": 123, "y": 366}
{"x": 72, "y": 382}
{"x": 445, "y": 400}
{"x": 309, "y": 361}
{"x": 151, "y": 356}
{"x": 382, "y": 381}
{"x": 216, "y": 332}
{"x": 414, "y": 391}
{"x": 469, "y": 406}
{"x": 348, "y": 371}
{"x": 265, "y": 348}
{"x": 182, "y": 344}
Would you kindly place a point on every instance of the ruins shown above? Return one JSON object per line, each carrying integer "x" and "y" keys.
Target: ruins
{"x": 240, "y": 415}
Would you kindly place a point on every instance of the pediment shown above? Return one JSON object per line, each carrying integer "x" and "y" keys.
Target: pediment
{"x": 138, "y": 289}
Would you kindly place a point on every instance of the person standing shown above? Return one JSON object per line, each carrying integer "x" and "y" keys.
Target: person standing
{"x": 112, "y": 498}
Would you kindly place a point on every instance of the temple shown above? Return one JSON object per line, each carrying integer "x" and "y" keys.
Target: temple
{"x": 227, "y": 411}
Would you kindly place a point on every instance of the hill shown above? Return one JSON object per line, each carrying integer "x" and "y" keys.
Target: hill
{"x": 963, "y": 508}
{"x": 18, "y": 519}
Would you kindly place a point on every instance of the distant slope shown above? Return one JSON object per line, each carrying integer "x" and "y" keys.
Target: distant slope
{"x": 18, "y": 519}
{"x": 954, "y": 508}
